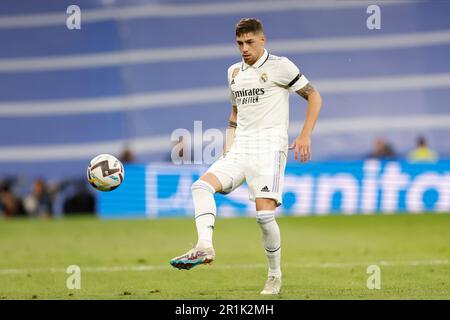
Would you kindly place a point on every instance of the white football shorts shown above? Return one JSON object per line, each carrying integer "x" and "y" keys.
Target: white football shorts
{"x": 263, "y": 172}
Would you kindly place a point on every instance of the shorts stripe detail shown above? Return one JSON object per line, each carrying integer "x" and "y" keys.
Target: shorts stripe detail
{"x": 276, "y": 176}
{"x": 277, "y": 172}
{"x": 274, "y": 173}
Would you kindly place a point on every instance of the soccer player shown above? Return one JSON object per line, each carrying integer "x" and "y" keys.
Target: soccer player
{"x": 256, "y": 146}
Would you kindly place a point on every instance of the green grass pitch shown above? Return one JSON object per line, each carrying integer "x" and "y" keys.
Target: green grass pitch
{"x": 322, "y": 258}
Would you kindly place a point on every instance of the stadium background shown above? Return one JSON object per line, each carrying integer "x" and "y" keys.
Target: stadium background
{"x": 138, "y": 70}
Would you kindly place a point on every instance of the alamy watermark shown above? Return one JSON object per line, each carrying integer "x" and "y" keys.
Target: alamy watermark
{"x": 204, "y": 147}
{"x": 374, "y": 20}
{"x": 74, "y": 280}
{"x": 374, "y": 280}
{"x": 73, "y": 21}
{"x": 188, "y": 147}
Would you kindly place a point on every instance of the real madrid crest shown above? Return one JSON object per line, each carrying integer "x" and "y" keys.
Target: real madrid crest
{"x": 263, "y": 78}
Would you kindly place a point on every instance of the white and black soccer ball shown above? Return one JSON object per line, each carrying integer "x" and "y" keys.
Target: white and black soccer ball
{"x": 105, "y": 172}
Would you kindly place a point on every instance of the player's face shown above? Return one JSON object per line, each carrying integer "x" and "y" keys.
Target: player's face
{"x": 251, "y": 46}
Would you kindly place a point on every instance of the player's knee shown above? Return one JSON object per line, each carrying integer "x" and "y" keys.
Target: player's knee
{"x": 265, "y": 217}
{"x": 265, "y": 204}
{"x": 202, "y": 185}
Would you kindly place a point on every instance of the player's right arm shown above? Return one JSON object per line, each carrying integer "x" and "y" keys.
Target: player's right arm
{"x": 232, "y": 120}
{"x": 231, "y": 130}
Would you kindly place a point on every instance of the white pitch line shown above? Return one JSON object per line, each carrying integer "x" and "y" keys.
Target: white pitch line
{"x": 143, "y": 268}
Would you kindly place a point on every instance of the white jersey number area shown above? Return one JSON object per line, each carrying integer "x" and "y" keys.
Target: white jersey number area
{"x": 261, "y": 94}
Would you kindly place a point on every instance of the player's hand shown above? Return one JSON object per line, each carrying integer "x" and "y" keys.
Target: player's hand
{"x": 302, "y": 146}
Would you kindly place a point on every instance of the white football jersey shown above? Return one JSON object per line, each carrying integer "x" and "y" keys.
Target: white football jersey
{"x": 261, "y": 94}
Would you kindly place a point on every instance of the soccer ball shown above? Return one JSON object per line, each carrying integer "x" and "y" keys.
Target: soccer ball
{"x": 105, "y": 172}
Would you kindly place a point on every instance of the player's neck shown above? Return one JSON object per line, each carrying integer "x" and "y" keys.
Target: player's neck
{"x": 259, "y": 57}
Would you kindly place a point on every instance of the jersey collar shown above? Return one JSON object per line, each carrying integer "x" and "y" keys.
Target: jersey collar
{"x": 258, "y": 63}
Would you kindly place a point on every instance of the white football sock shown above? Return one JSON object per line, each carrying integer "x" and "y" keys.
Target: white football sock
{"x": 205, "y": 212}
{"x": 271, "y": 239}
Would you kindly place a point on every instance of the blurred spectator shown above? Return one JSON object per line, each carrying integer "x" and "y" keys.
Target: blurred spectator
{"x": 382, "y": 150}
{"x": 78, "y": 198}
{"x": 72, "y": 196}
{"x": 10, "y": 205}
{"x": 127, "y": 155}
{"x": 38, "y": 202}
{"x": 422, "y": 153}
{"x": 45, "y": 200}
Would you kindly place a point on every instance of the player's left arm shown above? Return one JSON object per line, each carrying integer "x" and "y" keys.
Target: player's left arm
{"x": 302, "y": 144}
{"x": 231, "y": 130}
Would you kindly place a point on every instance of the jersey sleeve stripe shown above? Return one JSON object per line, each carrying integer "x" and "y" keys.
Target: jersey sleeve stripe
{"x": 294, "y": 80}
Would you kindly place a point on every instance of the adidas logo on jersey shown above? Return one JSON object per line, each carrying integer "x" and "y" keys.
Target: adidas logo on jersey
{"x": 265, "y": 189}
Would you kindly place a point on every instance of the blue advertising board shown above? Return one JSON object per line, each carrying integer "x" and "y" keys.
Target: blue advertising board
{"x": 362, "y": 187}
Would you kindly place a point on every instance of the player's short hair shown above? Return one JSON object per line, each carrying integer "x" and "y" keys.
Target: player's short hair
{"x": 248, "y": 25}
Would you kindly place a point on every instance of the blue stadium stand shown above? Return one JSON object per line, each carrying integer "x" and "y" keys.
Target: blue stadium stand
{"x": 138, "y": 70}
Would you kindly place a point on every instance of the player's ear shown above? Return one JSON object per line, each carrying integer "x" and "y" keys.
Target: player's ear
{"x": 263, "y": 38}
